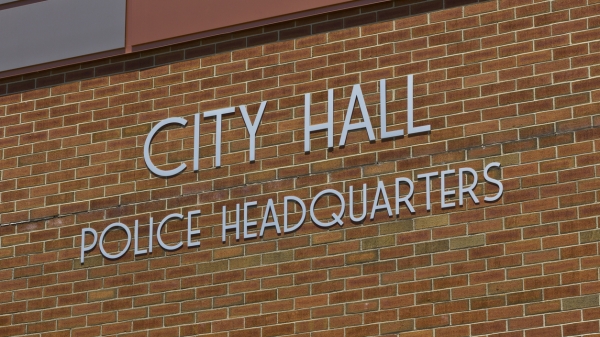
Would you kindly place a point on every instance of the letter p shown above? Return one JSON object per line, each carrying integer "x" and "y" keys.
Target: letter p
{"x": 85, "y": 249}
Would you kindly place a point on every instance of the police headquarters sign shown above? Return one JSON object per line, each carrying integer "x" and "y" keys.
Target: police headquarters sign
{"x": 404, "y": 188}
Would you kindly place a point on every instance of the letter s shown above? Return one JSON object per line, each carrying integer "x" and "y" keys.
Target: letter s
{"x": 493, "y": 181}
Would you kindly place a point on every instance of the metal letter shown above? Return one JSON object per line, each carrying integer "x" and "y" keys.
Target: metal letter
{"x": 445, "y": 193}
{"x": 149, "y": 164}
{"x": 236, "y": 226}
{"x": 192, "y": 232}
{"x": 270, "y": 208}
{"x": 196, "y": 142}
{"x": 253, "y": 127}
{"x": 285, "y": 213}
{"x": 136, "y": 250}
{"x": 160, "y": 226}
{"x": 365, "y": 124}
{"x": 248, "y": 223}
{"x": 461, "y": 181}
{"x": 383, "y": 111}
{"x": 323, "y": 126}
{"x": 90, "y": 247}
{"x": 337, "y": 218}
{"x": 493, "y": 181}
{"x": 386, "y": 205}
{"x": 408, "y": 196}
{"x": 106, "y": 230}
{"x": 219, "y": 114}
{"x": 428, "y": 177}
{"x": 409, "y": 110}
{"x": 150, "y": 234}
{"x": 364, "y": 202}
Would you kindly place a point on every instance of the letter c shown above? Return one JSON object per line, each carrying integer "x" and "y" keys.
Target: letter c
{"x": 155, "y": 129}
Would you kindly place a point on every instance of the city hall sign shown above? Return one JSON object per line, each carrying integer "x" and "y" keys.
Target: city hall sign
{"x": 242, "y": 225}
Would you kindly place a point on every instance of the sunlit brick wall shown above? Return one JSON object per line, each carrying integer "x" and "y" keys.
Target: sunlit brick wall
{"x": 513, "y": 82}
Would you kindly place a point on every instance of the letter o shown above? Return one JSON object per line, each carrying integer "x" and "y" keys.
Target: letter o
{"x": 337, "y": 218}
{"x": 106, "y": 230}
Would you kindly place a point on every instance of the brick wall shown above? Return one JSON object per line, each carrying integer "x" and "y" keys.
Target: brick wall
{"x": 353, "y": 17}
{"x": 514, "y": 82}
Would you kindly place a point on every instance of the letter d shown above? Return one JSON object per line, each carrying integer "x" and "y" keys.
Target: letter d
{"x": 299, "y": 201}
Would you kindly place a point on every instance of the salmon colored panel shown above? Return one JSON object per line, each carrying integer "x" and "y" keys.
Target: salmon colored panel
{"x": 154, "y": 20}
